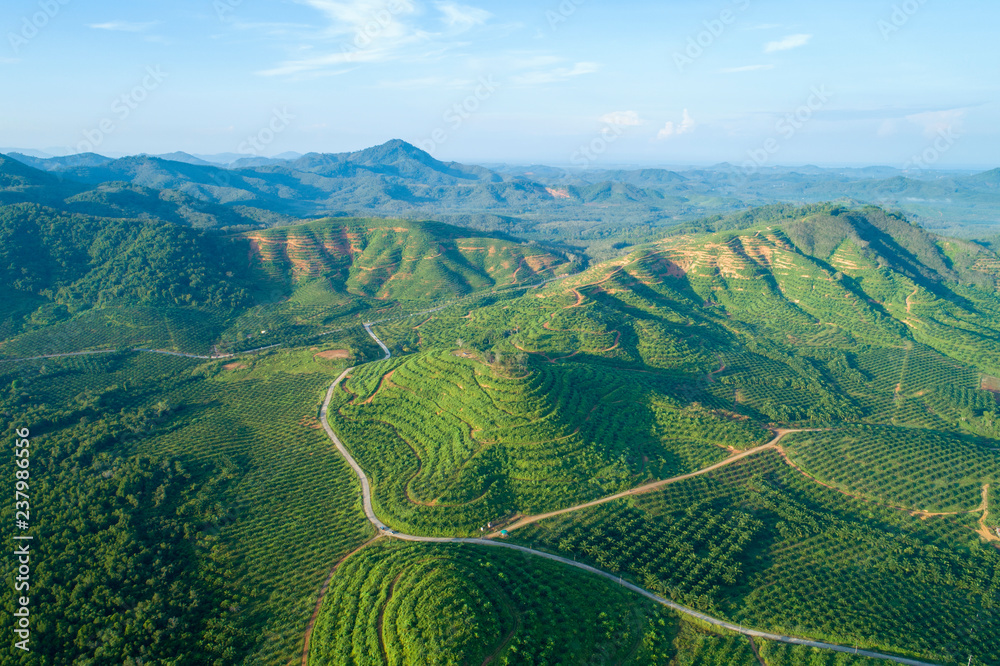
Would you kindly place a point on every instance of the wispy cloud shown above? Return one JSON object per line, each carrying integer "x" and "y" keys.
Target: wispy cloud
{"x": 342, "y": 61}
{"x": 622, "y": 118}
{"x": 745, "y": 68}
{"x": 371, "y": 31}
{"x": 124, "y": 26}
{"x": 787, "y": 43}
{"x": 424, "y": 83}
{"x": 556, "y": 74}
{"x": 462, "y": 16}
{"x": 671, "y": 129}
{"x": 9, "y": 61}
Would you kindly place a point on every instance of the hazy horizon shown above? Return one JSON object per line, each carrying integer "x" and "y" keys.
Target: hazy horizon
{"x": 52, "y": 152}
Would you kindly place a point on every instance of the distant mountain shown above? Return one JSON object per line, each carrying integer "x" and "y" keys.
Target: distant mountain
{"x": 183, "y": 157}
{"x": 15, "y": 174}
{"x": 63, "y": 163}
{"x": 396, "y": 159}
{"x": 221, "y": 158}
{"x": 20, "y": 183}
{"x": 25, "y": 151}
{"x": 591, "y": 206}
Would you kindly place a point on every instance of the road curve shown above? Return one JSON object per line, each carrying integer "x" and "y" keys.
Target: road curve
{"x": 370, "y": 514}
{"x": 388, "y": 354}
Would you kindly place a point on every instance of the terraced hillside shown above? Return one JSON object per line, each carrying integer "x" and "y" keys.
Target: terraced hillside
{"x": 453, "y": 443}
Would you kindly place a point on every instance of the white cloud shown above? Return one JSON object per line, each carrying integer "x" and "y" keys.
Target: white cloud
{"x": 369, "y": 31}
{"x": 622, "y": 118}
{"x": 745, "y": 68}
{"x": 787, "y": 43}
{"x": 686, "y": 126}
{"x": 322, "y": 62}
{"x": 462, "y": 16}
{"x": 124, "y": 26}
{"x": 9, "y": 61}
{"x": 934, "y": 122}
{"x": 556, "y": 75}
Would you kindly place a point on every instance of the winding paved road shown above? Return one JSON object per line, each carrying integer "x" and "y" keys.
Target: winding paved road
{"x": 383, "y": 529}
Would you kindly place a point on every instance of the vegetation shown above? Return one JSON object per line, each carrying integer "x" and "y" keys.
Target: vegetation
{"x": 171, "y": 494}
{"x": 522, "y": 437}
{"x": 818, "y": 564}
{"x": 193, "y": 507}
{"x": 891, "y": 465}
{"x": 396, "y": 603}
{"x": 781, "y": 654}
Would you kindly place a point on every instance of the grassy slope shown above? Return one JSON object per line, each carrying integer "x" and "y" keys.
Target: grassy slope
{"x": 796, "y": 323}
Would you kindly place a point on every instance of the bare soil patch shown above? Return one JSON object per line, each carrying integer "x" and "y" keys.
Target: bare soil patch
{"x": 334, "y": 354}
{"x": 236, "y": 365}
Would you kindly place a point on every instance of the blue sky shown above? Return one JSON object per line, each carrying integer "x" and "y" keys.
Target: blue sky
{"x": 559, "y": 82}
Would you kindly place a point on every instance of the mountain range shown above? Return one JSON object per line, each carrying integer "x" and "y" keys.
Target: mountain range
{"x": 581, "y": 207}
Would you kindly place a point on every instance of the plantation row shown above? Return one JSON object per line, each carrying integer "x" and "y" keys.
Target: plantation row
{"x": 237, "y": 470}
{"x": 453, "y": 443}
{"x": 396, "y": 603}
{"x": 288, "y": 483}
{"x": 688, "y": 557}
{"x": 818, "y": 564}
{"x": 911, "y": 468}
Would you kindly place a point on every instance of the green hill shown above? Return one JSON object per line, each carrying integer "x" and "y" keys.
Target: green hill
{"x": 78, "y": 282}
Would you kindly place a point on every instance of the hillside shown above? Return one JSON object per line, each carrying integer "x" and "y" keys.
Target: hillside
{"x": 76, "y": 281}
{"x": 519, "y": 383}
{"x": 407, "y": 261}
{"x": 850, "y": 321}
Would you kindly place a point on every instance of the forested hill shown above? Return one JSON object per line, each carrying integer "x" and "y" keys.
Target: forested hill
{"x": 61, "y": 269}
